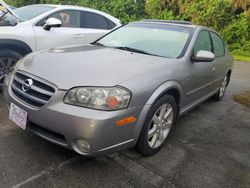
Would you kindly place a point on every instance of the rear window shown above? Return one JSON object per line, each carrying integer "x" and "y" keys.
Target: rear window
{"x": 96, "y": 21}
{"x": 219, "y": 48}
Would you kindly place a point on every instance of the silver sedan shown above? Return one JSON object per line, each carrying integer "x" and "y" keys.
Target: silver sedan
{"x": 127, "y": 89}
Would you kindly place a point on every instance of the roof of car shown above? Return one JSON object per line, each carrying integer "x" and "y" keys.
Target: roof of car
{"x": 80, "y": 8}
{"x": 170, "y": 22}
{"x": 69, "y": 6}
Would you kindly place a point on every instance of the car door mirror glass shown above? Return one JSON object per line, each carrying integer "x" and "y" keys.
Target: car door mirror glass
{"x": 52, "y": 22}
{"x": 204, "y": 56}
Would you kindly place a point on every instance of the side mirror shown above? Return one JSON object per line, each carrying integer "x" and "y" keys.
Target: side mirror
{"x": 204, "y": 56}
{"x": 52, "y": 22}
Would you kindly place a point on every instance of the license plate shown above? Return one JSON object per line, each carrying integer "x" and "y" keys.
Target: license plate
{"x": 18, "y": 116}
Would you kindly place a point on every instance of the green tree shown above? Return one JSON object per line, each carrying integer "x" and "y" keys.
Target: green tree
{"x": 163, "y": 9}
{"x": 241, "y": 4}
{"x": 126, "y": 11}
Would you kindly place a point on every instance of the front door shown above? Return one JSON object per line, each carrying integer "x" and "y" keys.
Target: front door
{"x": 199, "y": 80}
{"x": 70, "y": 33}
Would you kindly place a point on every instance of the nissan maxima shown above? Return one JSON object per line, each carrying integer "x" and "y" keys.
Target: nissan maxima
{"x": 127, "y": 89}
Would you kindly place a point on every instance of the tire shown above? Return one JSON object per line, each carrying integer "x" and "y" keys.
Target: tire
{"x": 221, "y": 92}
{"x": 8, "y": 59}
{"x": 156, "y": 128}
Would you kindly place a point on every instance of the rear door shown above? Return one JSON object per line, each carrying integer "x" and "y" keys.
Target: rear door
{"x": 220, "y": 59}
{"x": 70, "y": 33}
{"x": 95, "y": 26}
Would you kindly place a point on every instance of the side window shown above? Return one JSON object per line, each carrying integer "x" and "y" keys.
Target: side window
{"x": 219, "y": 48}
{"x": 69, "y": 18}
{"x": 203, "y": 42}
{"x": 95, "y": 21}
{"x": 111, "y": 24}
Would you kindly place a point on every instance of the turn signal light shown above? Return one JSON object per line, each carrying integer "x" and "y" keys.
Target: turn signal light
{"x": 125, "y": 121}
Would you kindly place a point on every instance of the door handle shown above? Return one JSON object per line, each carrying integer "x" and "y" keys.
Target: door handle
{"x": 78, "y": 36}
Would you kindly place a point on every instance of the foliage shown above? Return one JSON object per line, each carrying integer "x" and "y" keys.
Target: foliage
{"x": 241, "y": 58}
{"x": 241, "y": 4}
{"x": 159, "y": 9}
{"x": 217, "y": 14}
{"x": 237, "y": 33}
{"x": 231, "y": 18}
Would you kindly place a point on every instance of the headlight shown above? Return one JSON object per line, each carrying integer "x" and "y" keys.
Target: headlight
{"x": 99, "y": 98}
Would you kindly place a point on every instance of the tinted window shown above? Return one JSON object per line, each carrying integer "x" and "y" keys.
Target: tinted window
{"x": 111, "y": 24}
{"x": 69, "y": 18}
{"x": 203, "y": 42}
{"x": 95, "y": 21}
{"x": 154, "y": 39}
{"x": 219, "y": 49}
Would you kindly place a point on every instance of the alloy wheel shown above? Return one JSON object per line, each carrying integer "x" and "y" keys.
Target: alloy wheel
{"x": 223, "y": 87}
{"x": 6, "y": 63}
{"x": 160, "y": 126}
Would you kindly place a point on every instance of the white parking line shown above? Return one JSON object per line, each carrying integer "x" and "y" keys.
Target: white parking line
{"x": 129, "y": 164}
{"x": 32, "y": 178}
{"x": 121, "y": 159}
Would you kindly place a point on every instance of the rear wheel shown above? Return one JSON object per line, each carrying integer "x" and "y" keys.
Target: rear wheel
{"x": 221, "y": 92}
{"x": 8, "y": 59}
{"x": 159, "y": 121}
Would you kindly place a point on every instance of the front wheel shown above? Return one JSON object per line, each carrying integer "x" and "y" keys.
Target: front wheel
{"x": 159, "y": 121}
{"x": 8, "y": 59}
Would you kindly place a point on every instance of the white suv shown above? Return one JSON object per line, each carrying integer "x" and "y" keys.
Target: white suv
{"x": 36, "y": 27}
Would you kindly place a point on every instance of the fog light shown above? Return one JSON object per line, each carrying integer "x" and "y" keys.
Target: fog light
{"x": 83, "y": 146}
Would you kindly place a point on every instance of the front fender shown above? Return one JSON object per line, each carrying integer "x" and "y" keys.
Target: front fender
{"x": 15, "y": 45}
{"x": 163, "y": 88}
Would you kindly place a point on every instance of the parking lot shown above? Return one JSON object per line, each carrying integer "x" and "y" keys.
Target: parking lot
{"x": 209, "y": 147}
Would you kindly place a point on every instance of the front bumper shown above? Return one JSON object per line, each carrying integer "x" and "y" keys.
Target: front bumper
{"x": 63, "y": 124}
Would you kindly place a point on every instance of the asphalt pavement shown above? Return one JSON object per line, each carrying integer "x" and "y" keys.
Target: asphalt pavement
{"x": 208, "y": 147}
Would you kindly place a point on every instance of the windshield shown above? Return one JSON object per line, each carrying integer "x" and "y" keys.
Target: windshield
{"x": 28, "y": 12}
{"x": 154, "y": 39}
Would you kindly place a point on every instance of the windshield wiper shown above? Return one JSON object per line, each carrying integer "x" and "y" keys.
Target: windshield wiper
{"x": 133, "y": 50}
{"x": 98, "y": 44}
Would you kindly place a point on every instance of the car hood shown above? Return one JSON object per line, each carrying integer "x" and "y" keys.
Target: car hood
{"x": 88, "y": 66}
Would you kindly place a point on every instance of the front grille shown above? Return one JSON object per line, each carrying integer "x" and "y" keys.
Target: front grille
{"x": 39, "y": 93}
